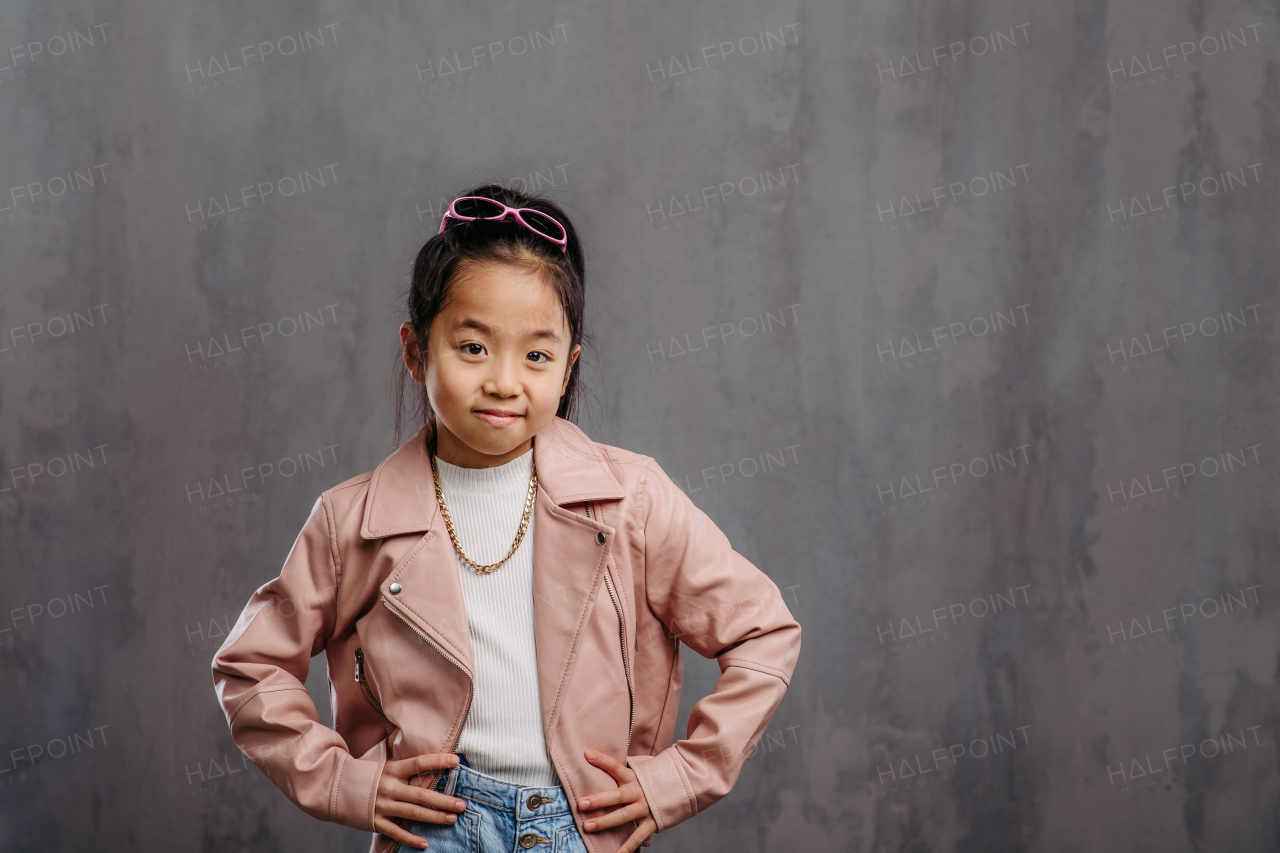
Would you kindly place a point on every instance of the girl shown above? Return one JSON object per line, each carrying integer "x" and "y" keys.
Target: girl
{"x": 502, "y": 600}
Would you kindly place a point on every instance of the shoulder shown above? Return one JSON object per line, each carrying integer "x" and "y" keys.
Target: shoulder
{"x": 640, "y": 476}
{"x": 574, "y": 444}
{"x": 345, "y": 499}
{"x": 348, "y": 487}
{"x": 627, "y": 465}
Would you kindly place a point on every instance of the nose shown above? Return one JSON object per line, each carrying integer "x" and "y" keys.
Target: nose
{"x": 504, "y": 381}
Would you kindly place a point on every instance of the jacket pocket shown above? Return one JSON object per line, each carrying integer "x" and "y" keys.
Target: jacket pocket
{"x": 362, "y": 676}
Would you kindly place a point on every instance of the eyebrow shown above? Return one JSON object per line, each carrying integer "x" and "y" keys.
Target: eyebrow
{"x": 469, "y": 323}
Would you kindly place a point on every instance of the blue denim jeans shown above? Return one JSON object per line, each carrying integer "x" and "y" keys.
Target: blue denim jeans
{"x": 501, "y": 817}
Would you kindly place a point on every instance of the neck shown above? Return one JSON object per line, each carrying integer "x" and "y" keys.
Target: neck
{"x": 452, "y": 450}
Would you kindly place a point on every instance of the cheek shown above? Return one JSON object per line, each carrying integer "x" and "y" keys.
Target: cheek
{"x": 546, "y": 391}
{"x": 445, "y": 382}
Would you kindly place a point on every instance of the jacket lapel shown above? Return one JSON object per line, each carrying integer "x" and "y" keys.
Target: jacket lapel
{"x": 402, "y": 501}
{"x": 568, "y": 560}
{"x": 402, "y": 494}
{"x": 568, "y": 564}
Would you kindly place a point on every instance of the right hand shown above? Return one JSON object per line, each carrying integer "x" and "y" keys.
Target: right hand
{"x": 397, "y": 798}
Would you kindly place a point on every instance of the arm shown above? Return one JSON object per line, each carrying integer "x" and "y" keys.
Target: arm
{"x": 721, "y": 606}
{"x": 259, "y": 673}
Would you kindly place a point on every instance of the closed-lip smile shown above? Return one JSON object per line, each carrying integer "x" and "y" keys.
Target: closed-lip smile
{"x": 497, "y": 417}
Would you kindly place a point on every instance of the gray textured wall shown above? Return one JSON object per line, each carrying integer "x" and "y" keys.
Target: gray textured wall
{"x": 959, "y": 318}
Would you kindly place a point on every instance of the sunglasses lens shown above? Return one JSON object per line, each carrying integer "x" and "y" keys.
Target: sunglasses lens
{"x": 477, "y": 208}
{"x": 543, "y": 224}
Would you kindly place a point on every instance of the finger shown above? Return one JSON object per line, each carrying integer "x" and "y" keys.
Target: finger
{"x": 611, "y": 765}
{"x": 406, "y": 767}
{"x": 616, "y": 818}
{"x": 420, "y": 813}
{"x": 401, "y": 768}
{"x": 423, "y": 763}
{"x": 646, "y": 828}
{"x": 429, "y": 761}
{"x": 397, "y": 832}
{"x": 608, "y": 798}
{"x": 426, "y": 797}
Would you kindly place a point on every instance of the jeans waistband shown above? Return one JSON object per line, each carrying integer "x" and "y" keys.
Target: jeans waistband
{"x": 523, "y": 801}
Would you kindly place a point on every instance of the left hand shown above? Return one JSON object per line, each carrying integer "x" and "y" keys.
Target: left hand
{"x": 629, "y": 793}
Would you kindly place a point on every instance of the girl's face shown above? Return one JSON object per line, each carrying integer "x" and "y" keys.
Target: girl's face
{"x": 498, "y": 364}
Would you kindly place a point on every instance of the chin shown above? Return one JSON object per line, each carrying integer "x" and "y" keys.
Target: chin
{"x": 495, "y": 442}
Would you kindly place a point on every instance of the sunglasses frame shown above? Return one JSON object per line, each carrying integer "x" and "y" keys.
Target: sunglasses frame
{"x": 507, "y": 212}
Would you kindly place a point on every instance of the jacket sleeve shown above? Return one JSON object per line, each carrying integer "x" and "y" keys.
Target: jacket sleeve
{"x": 720, "y": 605}
{"x": 259, "y": 671}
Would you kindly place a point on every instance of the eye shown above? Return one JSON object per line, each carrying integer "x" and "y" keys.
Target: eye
{"x": 539, "y": 357}
{"x": 473, "y": 348}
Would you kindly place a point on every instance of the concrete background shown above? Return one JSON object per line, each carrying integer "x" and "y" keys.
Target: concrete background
{"x": 980, "y": 367}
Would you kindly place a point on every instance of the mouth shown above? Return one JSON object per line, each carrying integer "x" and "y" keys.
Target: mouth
{"x": 497, "y": 417}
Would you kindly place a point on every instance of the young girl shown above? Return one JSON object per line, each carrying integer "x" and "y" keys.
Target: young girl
{"x": 502, "y": 600}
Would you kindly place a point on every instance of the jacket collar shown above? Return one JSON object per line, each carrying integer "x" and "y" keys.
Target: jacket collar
{"x": 402, "y": 498}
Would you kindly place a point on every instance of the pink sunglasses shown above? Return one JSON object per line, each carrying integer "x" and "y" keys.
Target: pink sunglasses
{"x": 469, "y": 208}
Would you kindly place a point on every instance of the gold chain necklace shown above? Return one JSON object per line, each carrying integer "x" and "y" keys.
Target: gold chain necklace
{"x": 448, "y": 521}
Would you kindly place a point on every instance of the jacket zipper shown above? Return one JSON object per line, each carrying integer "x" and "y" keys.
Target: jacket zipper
{"x": 451, "y": 660}
{"x": 364, "y": 682}
{"x": 622, "y": 639}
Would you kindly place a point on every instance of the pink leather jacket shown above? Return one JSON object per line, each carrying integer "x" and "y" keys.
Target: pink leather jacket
{"x": 626, "y": 568}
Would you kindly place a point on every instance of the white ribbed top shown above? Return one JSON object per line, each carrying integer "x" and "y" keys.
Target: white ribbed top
{"x": 503, "y": 734}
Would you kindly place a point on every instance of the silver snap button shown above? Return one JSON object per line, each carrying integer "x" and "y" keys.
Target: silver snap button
{"x": 534, "y": 801}
{"x": 395, "y": 588}
{"x": 528, "y": 840}
{"x": 600, "y": 537}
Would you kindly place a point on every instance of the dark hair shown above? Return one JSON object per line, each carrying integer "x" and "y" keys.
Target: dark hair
{"x": 465, "y": 244}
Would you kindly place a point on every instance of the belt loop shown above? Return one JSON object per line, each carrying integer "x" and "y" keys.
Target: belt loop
{"x": 451, "y": 781}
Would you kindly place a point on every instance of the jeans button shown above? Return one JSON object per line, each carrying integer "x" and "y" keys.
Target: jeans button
{"x": 528, "y": 840}
{"x": 534, "y": 801}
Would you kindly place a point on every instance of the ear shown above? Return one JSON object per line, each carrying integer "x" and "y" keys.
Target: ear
{"x": 573, "y": 357}
{"x": 411, "y": 352}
